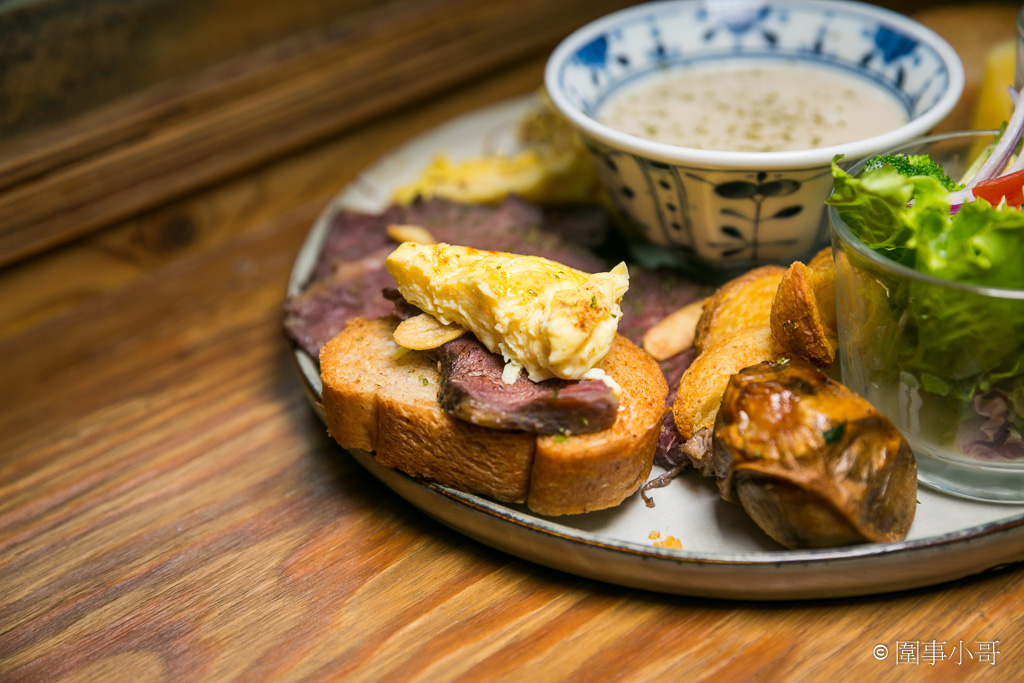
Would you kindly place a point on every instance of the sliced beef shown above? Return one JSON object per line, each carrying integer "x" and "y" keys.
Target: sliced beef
{"x": 320, "y": 311}
{"x": 349, "y": 276}
{"x": 653, "y": 294}
{"x": 472, "y": 390}
{"x": 353, "y": 237}
{"x": 668, "y": 453}
{"x": 402, "y": 309}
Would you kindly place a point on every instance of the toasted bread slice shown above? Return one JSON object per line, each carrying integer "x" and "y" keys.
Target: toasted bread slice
{"x": 378, "y": 398}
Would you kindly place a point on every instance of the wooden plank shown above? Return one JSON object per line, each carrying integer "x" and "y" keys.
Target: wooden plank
{"x": 171, "y": 508}
{"x": 59, "y": 280}
{"x": 63, "y": 57}
{"x": 183, "y": 135}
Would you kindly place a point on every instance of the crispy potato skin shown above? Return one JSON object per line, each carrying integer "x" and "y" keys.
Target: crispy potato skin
{"x": 813, "y": 463}
{"x": 803, "y": 313}
{"x": 742, "y": 303}
{"x": 732, "y": 333}
{"x": 702, "y": 385}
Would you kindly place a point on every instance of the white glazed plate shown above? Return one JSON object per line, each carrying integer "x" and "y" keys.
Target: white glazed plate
{"x": 723, "y": 554}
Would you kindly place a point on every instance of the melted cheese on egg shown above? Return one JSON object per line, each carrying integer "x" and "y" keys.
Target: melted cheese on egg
{"x": 541, "y": 316}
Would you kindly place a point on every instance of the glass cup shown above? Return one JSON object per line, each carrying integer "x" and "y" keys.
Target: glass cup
{"x": 1018, "y": 80}
{"x": 943, "y": 360}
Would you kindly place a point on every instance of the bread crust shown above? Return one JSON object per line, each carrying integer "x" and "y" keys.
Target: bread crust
{"x": 595, "y": 471}
{"x": 379, "y": 399}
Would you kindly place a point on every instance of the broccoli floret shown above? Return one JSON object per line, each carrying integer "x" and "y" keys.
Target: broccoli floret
{"x": 913, "y": 165}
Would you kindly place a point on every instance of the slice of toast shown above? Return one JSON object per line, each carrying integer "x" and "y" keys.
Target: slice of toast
{"x": 378, "y": 397}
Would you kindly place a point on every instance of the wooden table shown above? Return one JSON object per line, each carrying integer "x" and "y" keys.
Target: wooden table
{"x": 172, "y": 509}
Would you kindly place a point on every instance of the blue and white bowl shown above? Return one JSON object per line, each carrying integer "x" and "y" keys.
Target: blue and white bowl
{"x": 717, "y": 212}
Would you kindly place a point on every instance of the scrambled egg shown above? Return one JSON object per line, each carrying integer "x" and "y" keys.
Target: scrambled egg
{"x": 552, "y": 168}
{"x": 552, "y": 320}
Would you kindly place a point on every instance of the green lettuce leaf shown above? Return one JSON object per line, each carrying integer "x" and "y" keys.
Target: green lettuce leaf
{"x": 954, "y": 344}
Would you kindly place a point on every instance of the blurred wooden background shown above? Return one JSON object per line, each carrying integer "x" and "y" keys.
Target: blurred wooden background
{"x": 111, "y": 107}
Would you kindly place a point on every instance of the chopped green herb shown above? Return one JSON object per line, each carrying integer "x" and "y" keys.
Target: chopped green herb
{"x": 424, "y": 380}
{"x": 836, "y": 433}
{"x": 559, "y": 438}
{"x": 593, "y": 301}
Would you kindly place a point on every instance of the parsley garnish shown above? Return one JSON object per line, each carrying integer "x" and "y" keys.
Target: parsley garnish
{"x": 836, "y": 433}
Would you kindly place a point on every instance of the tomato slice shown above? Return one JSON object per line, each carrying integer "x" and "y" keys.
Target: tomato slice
{"x": 1010, "y": 186}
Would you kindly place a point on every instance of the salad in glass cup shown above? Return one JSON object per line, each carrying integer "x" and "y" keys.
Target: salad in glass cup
{"x": 929, "y": 254}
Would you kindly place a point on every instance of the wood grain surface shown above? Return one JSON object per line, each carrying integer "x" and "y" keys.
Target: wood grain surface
{"x": 172, "y": 510}
{"x": 182, "y": 134}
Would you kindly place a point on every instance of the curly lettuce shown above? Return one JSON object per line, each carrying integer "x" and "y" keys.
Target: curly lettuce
{"x": 952, "y": 344}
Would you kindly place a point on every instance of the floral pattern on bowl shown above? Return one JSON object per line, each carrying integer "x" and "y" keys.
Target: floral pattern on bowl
{"x": 718, "y": 215}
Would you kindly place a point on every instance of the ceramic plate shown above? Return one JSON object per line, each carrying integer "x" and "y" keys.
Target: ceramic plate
{"x": 723, "y": 554}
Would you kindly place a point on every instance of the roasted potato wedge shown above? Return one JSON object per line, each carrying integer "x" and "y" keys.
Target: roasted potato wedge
{"x": 702, "y": 385}
{"x": 743, "y": 302}
{"x": 813, "y": 463}
{"x": 803, "y": 313}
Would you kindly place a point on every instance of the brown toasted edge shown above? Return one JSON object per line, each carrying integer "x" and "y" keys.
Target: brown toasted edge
{"x": 575, "y": 474}
{"x": 379, "y": 399}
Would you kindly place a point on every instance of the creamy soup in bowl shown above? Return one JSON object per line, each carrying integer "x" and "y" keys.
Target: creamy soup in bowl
{"x": 752, "y": 106}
